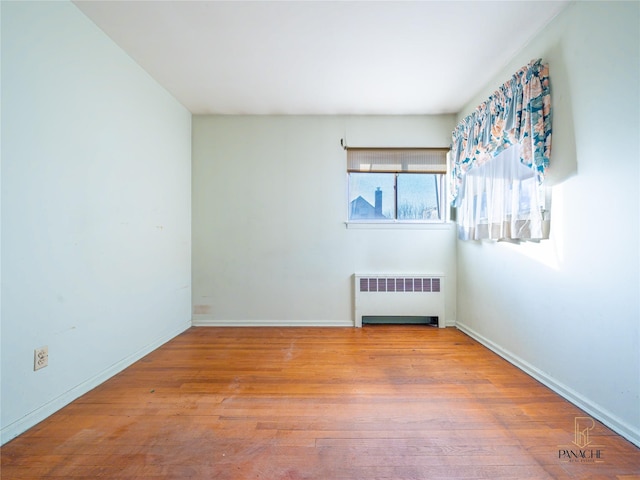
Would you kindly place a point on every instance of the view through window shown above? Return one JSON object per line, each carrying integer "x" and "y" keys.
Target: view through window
{"x": 395, "y": 196}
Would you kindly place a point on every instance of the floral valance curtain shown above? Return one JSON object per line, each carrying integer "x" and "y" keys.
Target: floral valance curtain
{"x": 517, "y": 115}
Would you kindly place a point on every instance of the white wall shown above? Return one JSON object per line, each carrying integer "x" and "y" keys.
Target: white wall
{"x": 567, "y": 309}
{"x": 270, "y": 246}
{"x": 95, "y": 210}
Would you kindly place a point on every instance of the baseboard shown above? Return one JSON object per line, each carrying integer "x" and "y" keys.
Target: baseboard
{"x": 21, "y": 425}
{"x": 203, "y": 321}
{"x": 594, "y": 410}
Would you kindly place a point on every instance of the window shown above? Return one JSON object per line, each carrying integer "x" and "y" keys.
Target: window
{"x": 396, "y": 184}
{"x": 500, "y": 153}
{"x": 501, "y": 199}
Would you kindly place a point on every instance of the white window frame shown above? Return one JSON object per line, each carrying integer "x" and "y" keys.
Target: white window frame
{"x": 396, "y": 161}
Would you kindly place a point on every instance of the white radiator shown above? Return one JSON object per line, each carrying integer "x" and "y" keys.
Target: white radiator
{"x": 410, "y": 295}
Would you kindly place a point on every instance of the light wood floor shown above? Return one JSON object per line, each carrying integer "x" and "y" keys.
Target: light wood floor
{"x": 381, "y": 402}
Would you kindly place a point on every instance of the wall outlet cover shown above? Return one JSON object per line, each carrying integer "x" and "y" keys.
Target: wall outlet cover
{"x": 40, "y": 358}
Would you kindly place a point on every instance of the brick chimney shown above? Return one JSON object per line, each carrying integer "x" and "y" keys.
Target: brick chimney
{"x": 378, "y": 205}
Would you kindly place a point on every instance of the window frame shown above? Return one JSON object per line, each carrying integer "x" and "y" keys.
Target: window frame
{"x": 400, "y": 161}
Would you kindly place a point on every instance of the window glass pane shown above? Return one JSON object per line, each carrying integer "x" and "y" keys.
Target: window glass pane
{"x": 419, "y": 196}
{"x": 371, "y": 196}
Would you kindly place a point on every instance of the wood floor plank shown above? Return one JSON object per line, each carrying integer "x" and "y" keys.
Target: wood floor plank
{"x": 382, "y": 402}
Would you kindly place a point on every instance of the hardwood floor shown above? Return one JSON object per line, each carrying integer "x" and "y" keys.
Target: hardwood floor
{"x": 381, "y": 402}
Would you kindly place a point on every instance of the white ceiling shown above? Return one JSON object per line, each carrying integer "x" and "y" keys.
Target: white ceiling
{"x": 322, "y": 57}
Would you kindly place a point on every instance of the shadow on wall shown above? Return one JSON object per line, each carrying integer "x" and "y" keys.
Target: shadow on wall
{"x": 564, "y": 161}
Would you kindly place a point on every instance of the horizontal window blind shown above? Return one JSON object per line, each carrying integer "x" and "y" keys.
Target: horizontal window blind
{"x": 397, "y": 160}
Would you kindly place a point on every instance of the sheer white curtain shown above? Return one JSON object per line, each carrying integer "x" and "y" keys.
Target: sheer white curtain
{"x": 501, "y": 200}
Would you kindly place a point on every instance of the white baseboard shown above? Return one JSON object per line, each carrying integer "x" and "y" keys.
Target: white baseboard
{"x": 203, "y": 321}
{"x": 449, "y": 323}
{"x": 596, "y": 411}
{"x": 23, "y": 424}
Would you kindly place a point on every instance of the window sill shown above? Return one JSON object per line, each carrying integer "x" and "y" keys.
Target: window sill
{"x": 400, "y": 225}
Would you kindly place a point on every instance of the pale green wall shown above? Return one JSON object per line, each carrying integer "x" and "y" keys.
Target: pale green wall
{"x": 270, "y": 244}
{"x": 95, "y": 210}
{"x": 568, "y": 308}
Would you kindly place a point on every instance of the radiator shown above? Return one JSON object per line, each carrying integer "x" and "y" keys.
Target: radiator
{"x": 400, "y": 295}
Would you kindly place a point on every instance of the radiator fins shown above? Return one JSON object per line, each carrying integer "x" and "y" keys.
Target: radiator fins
{"x": 396, "y": 284}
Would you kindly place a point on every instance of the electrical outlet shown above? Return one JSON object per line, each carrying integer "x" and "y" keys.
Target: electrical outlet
{"x": 40, "y": 358}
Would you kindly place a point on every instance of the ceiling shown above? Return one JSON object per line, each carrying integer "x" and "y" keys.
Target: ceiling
{"x": 322, "y": 57}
